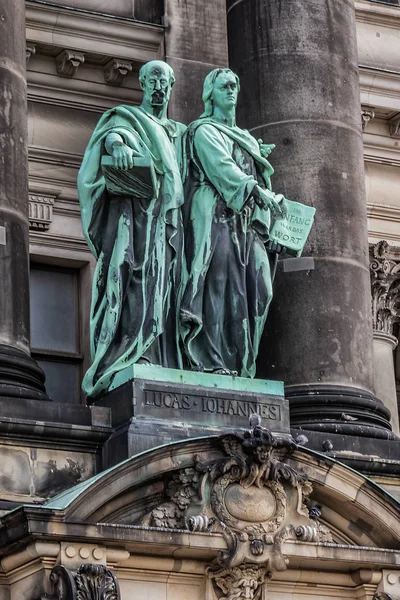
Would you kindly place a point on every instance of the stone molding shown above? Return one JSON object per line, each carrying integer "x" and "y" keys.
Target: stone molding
{"x": 379, "y": 87}
{"x": 98, "y": 34}
{"x": 68, "y": 62}
{"x": 377, "y": 14}
{"x": 385, "y": 212}
{"x": 385, "y": 287}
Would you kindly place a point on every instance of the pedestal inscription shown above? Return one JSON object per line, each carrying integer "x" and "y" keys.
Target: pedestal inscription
{"x": 156, "y": 406}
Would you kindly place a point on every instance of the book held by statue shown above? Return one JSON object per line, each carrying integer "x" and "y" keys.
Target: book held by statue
{"x": 293, "y": 230}
{"x": 140, "y": 181}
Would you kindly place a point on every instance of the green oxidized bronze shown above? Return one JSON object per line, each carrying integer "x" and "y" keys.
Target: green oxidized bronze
{"x": 131, "y": 194}
{"x": 227, "y": 212}
{"x": 203, "y": 286}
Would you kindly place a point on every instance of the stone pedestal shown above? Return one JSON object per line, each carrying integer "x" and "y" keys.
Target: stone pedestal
{"x": 297, "y": 62}
{"x": 159, "y": 405}
{"x": 20, "y": 376}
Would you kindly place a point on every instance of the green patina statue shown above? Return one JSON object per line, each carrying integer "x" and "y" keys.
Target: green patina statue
{"x": 184, "y": 271}
{"x": 131, "y": 194}
{"x": 227, "y": 216}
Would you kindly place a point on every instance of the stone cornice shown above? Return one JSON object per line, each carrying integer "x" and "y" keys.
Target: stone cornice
{"x": 377, "y": 14}
{"x": 93, "y": 33}
{"x": 380, "y": 87}
{"x": 384, "y": 212}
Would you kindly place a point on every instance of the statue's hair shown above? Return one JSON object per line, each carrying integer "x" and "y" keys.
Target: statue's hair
{"x": 208, "y": 88}
{"x": 158, "y": 64}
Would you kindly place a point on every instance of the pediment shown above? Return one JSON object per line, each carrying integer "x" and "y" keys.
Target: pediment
{"x": 164, "y": 487}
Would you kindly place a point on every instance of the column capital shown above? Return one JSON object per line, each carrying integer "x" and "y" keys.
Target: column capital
{"x": 385, "y": 286}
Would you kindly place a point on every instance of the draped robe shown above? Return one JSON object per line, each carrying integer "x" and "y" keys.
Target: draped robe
{"x": 228, "y": 287}
{"x": 137, "y": 242}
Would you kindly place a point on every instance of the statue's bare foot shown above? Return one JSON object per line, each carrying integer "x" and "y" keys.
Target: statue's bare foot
{"x": 225, "y": 372}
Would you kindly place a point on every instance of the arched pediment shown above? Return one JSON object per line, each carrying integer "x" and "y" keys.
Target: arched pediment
{"x": 355, "y": 509}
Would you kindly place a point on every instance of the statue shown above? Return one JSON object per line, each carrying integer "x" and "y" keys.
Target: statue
{"x": 227, "y": 216}
{"x": 131, "y": 218}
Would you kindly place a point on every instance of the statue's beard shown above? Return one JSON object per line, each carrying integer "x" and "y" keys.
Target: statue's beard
{"x": 158, "y": 98}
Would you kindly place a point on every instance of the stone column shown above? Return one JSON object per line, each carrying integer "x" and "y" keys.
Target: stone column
{"x": 20, "y": 376}
{"x": 297, "y": 61}
{"x": 195, "y": 44}
{"x": 385, "y": 287}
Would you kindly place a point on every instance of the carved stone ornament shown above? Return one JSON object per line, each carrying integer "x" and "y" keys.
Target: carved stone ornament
{"x": 367, "y": 114}
{"x": 181, "y": 491}
{"x": 89, "y": 582}
{"x": 68, "y": 61}
{"x": 40, "y": 211}
{"x": 385, "y": 288}
{"x": 116, "y": 70}
{"x": 384, "y": 596}
{"x": 249, "y": 494}
{"x": 30, "y": 51}
{"x": 394, "y": 126}
{"x": 236, "y": 583}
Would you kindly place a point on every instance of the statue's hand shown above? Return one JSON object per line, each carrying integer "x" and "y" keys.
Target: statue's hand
{"x": 279, "y": 198}
{"x": 122, "y": 156}
{"x": 265, "y": 149}
{"x": 266, "y": 199}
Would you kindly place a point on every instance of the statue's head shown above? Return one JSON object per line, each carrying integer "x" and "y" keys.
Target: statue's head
{"x": 221, "y": 88}
{"x": 156, "y": 80}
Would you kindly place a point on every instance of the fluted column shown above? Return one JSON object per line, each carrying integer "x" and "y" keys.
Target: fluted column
{"x": 20, "y": 376}
{"x": 297, "y": 61}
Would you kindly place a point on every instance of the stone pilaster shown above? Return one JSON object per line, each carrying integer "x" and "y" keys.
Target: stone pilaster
{"x": 297, "y": 61}
{"x": 20, "y": 376}
{"x": 385, "y": 288}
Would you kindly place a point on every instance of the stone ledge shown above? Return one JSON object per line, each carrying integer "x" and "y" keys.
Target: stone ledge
{"x": 88, "y": 32}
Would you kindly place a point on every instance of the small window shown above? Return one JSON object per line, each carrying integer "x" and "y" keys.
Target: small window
{"x": 55, "y": 338}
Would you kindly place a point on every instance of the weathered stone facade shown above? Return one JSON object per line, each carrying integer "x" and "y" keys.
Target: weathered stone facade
{"x": 230, "y": 514}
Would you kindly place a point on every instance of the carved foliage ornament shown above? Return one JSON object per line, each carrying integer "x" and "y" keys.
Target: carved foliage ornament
{"x": 89, "y": 582}
{"x": 385, "y": 288}
{"x": 181, "y": 491}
